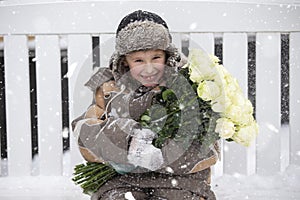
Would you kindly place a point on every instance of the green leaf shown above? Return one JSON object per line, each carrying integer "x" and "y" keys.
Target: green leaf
{"x": 145, "y": 118}
{"x": 167, "y": 94}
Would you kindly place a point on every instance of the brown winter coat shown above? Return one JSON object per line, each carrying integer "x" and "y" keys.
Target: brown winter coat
{"x": 104, "y": 133}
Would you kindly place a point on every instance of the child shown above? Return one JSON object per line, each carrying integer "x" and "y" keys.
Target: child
{"x": 110, "y": 131}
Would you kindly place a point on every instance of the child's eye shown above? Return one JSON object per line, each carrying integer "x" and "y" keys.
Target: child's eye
{"x": 138, "y": 61}
{"x": 156, "y": 57}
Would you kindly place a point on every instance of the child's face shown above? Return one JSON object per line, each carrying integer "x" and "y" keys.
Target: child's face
{"x": 147, "y": 66}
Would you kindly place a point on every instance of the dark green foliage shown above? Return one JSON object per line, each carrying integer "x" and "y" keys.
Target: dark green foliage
{"x": 185, "y": 111}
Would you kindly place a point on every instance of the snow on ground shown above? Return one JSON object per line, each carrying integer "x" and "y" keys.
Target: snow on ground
{"x": 39, "y": 188}
{"x": 283, "y": 186}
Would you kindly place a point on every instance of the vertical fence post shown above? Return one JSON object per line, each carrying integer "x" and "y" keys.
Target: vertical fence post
{"x": 49, "y": 104}
{"x": 107, "y": 45}
{"x": 268, "y": 102}
{"x": 80, "y": 65}
{"x": 203, "y": 41}
{"x": 177, "y": 40}
{"x": 17, "y": 105}
{"x": 206, "y": 42}
{"x": 235, "y": 59}
{"x": 295, "y": 97}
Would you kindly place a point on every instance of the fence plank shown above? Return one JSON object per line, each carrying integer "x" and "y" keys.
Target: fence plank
{"x": 80, "y": 61}
{"x": 295, "y": 97}
{"x": 194, "y": 16}
{"x": 268, "y": 102}
{"x": 49, "y": 105}
{"x": 107, "y": 46}
{"x": 235, "y": 60}
{"x": 177, "y": 40}
{"x": 17, "y": 105}
{"x": 204, "y": 41}
{"x": 285, "y": 149}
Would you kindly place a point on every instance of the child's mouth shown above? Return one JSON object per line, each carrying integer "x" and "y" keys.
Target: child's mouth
{"x": 149, "y": 80}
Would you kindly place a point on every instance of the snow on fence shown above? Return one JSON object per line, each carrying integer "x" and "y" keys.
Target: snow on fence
{"x": 48, "y": 51}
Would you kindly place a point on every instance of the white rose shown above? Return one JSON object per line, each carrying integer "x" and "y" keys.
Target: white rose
{"x": 221, "y": 103}
{"x": 245, "y": 135}
{"x": 208, "y": 90}
{"x": 200, "y": 66}
{"x": 234, "y": 113}
{"x": 225, "y": 128}
{"x": 240, "y": 111}
{"x": 220, "y": 74}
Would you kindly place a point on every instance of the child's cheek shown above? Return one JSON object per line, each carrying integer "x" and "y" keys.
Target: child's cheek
{"x": 135, "y": 72}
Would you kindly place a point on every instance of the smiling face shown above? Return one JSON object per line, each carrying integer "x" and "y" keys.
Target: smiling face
{"x": 147, "y": 67}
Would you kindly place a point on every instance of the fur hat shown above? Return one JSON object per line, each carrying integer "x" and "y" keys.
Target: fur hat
{"x": 142, "y": 30}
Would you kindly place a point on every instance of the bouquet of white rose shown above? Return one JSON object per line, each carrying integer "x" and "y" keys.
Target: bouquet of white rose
{"x": 217, "y": 86}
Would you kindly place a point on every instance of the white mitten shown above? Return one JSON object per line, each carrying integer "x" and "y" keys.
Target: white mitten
{"x": 142, "y": 153}
{"x": 144, "y": 134}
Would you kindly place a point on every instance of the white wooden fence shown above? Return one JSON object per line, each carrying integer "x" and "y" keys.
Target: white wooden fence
{"x": 71, "y": 26}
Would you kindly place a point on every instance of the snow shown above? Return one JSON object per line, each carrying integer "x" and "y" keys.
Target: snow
{"x": 129, "y": 196}
{"x": 283, "y": 185}
{"x": 39, "y": 188}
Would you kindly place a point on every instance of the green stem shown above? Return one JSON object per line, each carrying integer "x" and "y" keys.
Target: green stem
{"x": 98, "y": 181}
{"x": 86, "y": 168}
{"x": 88, "y": 171}
{"x": 84, "y": 177}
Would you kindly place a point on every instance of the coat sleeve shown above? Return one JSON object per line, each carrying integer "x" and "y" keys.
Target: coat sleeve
{"x": 107, "y": 139}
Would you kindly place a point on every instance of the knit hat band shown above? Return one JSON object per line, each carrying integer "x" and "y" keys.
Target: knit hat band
{"x": 142, "y": 35}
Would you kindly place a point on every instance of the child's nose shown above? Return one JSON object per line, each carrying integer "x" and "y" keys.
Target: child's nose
{"x": 149, "y": 68}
